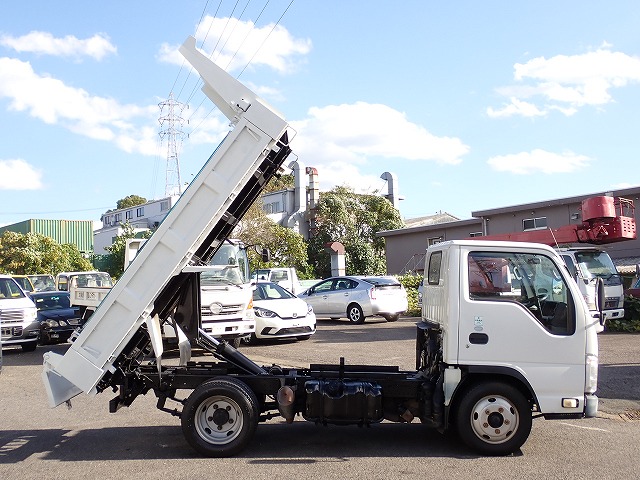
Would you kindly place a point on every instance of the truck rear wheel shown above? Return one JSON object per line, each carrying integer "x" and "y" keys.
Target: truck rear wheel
{"x": 494, "y": 418}
{"x": 220, "y": 417}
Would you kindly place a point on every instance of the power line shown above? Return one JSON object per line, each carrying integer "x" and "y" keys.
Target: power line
{"x": 194, "y": 111}
{"x": 199, "y": 82}
{"x": 58, "y": 211}
{"x": 204, "y": 10}
{"x": 266, "y": 38}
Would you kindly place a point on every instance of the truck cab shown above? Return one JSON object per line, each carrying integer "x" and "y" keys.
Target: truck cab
{"x": 286, "y": 277}
{"x": 86, "y": 289}
{"x": 519, "y": 319}
{"x": 586, "y": 265}
{"x": 227, "y": 294}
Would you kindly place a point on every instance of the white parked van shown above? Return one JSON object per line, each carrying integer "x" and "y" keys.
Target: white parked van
{"x": 18, "y": 316}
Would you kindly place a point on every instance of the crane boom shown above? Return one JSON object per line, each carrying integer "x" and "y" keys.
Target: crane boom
{"x": 604, "y": 220}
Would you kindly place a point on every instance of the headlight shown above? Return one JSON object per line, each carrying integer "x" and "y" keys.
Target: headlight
{"x": 264, "y": 313}
{"x": 52, "y": 323}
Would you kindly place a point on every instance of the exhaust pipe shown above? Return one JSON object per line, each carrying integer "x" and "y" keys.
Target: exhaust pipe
{"x": 285, "y": 398}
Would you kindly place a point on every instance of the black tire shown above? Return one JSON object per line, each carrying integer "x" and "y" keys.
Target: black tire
{"x": 235, "y": 342}
{"x": 29, "y": 347}
{"x": 220, "y": 417}
{"x": 391, "y": 317}
{"x": 355, "y": 313}
{"x": 493, "y": 418}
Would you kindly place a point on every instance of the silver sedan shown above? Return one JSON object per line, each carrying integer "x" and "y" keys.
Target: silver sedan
{"x": 357, "y": 297}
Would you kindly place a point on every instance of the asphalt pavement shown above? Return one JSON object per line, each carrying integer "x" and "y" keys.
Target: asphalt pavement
{"x": 143, "y": 442}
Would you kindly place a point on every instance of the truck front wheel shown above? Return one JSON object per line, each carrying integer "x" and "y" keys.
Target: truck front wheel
{"x": 494, "y": 418}
{"x": 220, "y": 417}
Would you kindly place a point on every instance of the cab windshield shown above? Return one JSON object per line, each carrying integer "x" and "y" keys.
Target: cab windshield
{"x": 10, "y": 289}
{"x": 94, "y": 280}
{"x": 231, "y": 266}
{"x": 598, "y": 264}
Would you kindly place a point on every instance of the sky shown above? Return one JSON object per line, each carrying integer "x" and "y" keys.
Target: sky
{"x": 472, "y": 105}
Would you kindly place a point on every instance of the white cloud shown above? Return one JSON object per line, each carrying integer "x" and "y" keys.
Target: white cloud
{"x": 539, "y": 161}
{"x": 343, "y": 140}
{"x": 233, "y": 44}
{"x": 100, "y": 118}
{"x": 516, "y": 107}
{"x": 16, "y": 174}
{"x": 43, "y": 43}
{"x": 567, "y": 82}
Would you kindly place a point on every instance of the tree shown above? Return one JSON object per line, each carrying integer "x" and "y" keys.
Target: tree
{"x": 281, "y": 182}
{"x": 33, "y": 253}
{"x": 353, "y": 220}
{"x": 130, "y": 201}
{"x": 114, "y": 264}
{"x": 287, "y": 248}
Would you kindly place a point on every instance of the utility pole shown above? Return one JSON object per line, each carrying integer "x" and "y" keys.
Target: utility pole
{"x": 171, "y": 128}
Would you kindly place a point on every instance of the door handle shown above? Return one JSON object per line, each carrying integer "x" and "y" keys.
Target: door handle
{"x": 479, "y": 338}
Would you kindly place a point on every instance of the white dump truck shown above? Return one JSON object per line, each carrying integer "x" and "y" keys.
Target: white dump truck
{"x": 491, "y": 353}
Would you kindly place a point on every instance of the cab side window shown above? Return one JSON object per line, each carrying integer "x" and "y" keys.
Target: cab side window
{"x": 533, "y": 281}
{"x": 433, "y": 270}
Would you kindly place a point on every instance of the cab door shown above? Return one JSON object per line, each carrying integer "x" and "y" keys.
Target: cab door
{"x": 510, "y": 320}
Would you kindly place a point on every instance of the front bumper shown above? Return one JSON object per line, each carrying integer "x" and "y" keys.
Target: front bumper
{"x": 17, "y": 334}
{"x": 590, "y": 406}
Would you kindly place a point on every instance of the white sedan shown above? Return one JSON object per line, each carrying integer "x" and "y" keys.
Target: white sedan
{"x": 280, "y": 314}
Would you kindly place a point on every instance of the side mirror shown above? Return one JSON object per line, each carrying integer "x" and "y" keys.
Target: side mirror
{"x": 600, "y": 299}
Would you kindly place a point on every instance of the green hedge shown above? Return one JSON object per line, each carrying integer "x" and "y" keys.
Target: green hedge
{"x": 410, "y": 283}
{"x": 631, "y": 320}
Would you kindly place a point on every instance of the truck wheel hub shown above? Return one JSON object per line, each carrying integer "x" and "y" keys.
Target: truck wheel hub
{"x": 494, "y": 419}
{"x": 220, "y": 416}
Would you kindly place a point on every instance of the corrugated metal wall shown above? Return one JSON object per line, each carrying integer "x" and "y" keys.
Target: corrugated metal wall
{"x": 77, "y": 232}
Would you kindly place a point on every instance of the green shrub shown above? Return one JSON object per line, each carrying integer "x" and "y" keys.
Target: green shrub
{"x": 410, "y": 283}
{"x": 631, "y": 320}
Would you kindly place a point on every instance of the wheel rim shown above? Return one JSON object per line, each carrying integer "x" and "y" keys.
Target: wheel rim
{"x": 219, "y": 420}
{"x": 494, "y": 419}
{"x": 354, "y": 314}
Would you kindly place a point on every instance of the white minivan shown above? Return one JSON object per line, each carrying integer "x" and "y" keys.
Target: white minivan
{"x": 18, "y": 316}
